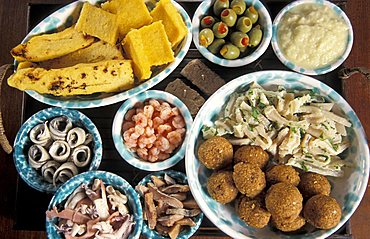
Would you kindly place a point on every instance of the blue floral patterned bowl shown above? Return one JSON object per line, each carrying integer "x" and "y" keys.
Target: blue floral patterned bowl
{"x": 22, "y": 143}
{"x": 109, "y": 179}
{"x": 291, "y": 65}
{"x": 264, "y": 21}
{"x": 66, "y": 17}
{"x": 181, "y": 178}
{"x": 131, "y": 157}
{"x": 348, "y": 190}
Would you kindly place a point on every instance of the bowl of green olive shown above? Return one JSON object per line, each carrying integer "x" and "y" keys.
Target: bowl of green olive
{"x": 232, "y": 33}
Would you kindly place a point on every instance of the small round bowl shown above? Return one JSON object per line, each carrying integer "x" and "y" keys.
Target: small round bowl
{"x": 291, "y": 65}
{"x": 131, "y": 157}
{"x": 22, "y": 143}
{"x": 347, "y": 190}
{"x": 109, "y": 179}
{"x": 264, "y": 20}
{"x": 179, "y": 177}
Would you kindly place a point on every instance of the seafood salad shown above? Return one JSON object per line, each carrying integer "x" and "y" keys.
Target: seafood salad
{"x": 169, "y": 207}
{"x": 59, "y": 149}
{"x": 153, "y": 130}
{"x": 298, "y": 128}
{"x": 94, "y": 211}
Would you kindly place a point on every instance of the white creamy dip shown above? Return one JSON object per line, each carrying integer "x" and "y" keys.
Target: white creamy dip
{"x": 312, "y": 35}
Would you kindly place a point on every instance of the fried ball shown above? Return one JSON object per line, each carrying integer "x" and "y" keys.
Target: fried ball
{"x": 251, "y": 154}
{"x": 282, "y": 173}
{"x": 322, "y": 211}
{"x": 312, "y": 184}
{"x": 292, "y": 226}
{"x": 252, "y": 213}
{"x": 249, "y": 179}
{"x": 221, "y": 187}
{"x": 284, "y": 202}
{"x": 216, "y": 153}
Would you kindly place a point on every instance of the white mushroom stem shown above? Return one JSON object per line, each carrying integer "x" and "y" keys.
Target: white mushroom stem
{"x": 101, "y": 204}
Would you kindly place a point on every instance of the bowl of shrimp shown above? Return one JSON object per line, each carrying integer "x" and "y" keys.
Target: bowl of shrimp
{"x": 150, "y": 130}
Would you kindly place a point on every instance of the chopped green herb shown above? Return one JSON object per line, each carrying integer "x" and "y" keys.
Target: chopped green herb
{"x": 321, "y": 136}
{"x": 326, "y": 157}
{"x": 261, "y": 105}
{"x": 308, "y": 155}
{"x": 334, "y": 146}
{"x": 304, "y": 167}
{"x": 293, "y": 130}
{"x": 250, "y": 128}
{"x": 250, "y": 92}
{"x": 255, "y": 112}
{"x": 302, "y": 131}
{"x": 326, "y": 127}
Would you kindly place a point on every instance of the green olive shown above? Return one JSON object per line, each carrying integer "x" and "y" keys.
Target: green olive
{"x": 228, "y": 16}
{"x": 243, "y": 49}
{"x": 244, "y": 24}
{"x": 220, "y": 30}
{"x": 238, "y": 6}
{"x": 207, "y": 21}
{"x": 216, "y": 46}
{"x": 239, "y": 39}
{"x": 255, "y": 36}
{"x": 220, "y": 5}
{"x": 252, "y": 13}
{"x": 206, "y": 37}
{"x": 229, "y": 51}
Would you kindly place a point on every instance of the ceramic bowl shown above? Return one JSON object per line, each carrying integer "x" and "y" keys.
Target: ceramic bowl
{"x": 291, "y": 65}
{"x": 66, "y": 17}
{"x": 131, "y": 157}
{"x": 22, "y": 143}
{"x": 348, "y": 190}
{"x": 181, "y": 178}
{"x": 266, "y": 26}
{"x": 116, "y": 181}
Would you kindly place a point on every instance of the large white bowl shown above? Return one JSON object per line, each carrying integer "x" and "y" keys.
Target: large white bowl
{"x": 67, "y": 16}
{"x": 348, "y": 190}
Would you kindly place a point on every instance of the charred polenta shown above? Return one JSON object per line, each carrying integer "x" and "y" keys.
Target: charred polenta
{"x": 98, "y": 51}
{"x": 50, "y": 46}
{"x": 98, "y": 23}
{"x": 81, "y": 79}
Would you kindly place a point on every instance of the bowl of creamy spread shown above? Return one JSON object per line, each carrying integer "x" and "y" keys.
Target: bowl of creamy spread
{"x": 312, "y": 37}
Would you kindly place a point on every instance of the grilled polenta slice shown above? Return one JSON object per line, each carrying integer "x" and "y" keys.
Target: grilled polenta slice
{"x": 81, "y": 79}
{"x": 98, "y": 23}
{"x": 98, "y": 51}
{"x": 50, "y": 46}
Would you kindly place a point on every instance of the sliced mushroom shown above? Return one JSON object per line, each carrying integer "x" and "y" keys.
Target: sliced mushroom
{"x": 76, "y": 137}
{"x": 169, "y": 180}
{"x": 161, "y": 208}
{"x": 190, "y": 204}
{"x": 179, "y": 196}
{"x": 60, "y": 151}
{"x": 162, "y": 229}
{"x": 174, "y": 231}
{"x": 150, "y": 210}
{"x": 64, "y": 172}
{"x": 168, "y": 221}
{"x": 186, "y": 222}
{"x": 81, "y": 156}
{"x": 184, "y": 212}
{"x": 40, "y": 135}
{"x": 48, "y": 170}
{"x": 157, "y": 181}
{"x": 59, "y": 127}
{"x": 37, "y": 156}
{"x": 176, "y": 188}
{"x": 141, "y": 189}
{"x": 157, "y": 195}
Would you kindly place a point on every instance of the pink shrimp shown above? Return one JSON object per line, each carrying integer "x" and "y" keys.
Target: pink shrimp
{"x": 170, "y": 149}
{"x": 132, "y": 144}
{"x": 127, "y": 125}
{"x": 154, "y": 151}
{"x": 148, "y": 111}
{"x": 165, "y": 113}
{"x": 142, "y": 153}
{"x": 174, "y": 138}
{"x": 175, "y": 111}
{"x": 164, "y": 129}
{"x": 162, "y": 143}
{"x": 130, "y": 134}
{"x": 178, "y": 122}
{"x": 157, "y": 121}
{"x": 152, "y": 158}
{"x": 181, "y": 131}
{"x": 129, "y": 114}
{"x": 139, "y": 129}
{"x": 150, "y": 122}
{"x": 140, "y": 119}
{"x": 163, "y": 156}
{"x": 165, "y": 105}
{"x": 143, "y": 140}
{"x": 155, "y": 104}
{"x": 149, "y": 131}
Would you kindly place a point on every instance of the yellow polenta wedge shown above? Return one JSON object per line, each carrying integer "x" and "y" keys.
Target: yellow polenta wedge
{"x": 98, "y": 23}
{"x": 50, "y": 46}
{"x": 98, "y": 51}
{"x": 147, "y": 47}
{"x": 131, "y": 14}
{"x": 174, "y": 25}
{"x": 81, "y": 79}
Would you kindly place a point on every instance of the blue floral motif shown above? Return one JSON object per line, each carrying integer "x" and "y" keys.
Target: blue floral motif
{"x": 346, "y": 194}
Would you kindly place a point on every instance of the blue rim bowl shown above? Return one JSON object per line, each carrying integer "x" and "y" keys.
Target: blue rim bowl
{"x": 291, "y": 65}
{"x": 22, "y": 143}
{"x": 264, "y": 21}
{"x": 180, "y": 177}
{"x": 108, "y": 178}
{"x": 132, "y": 157}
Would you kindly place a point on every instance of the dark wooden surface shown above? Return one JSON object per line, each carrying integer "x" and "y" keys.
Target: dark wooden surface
{"x": 13, "y": 26}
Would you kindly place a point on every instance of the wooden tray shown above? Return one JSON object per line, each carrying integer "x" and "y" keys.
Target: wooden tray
{"x": 31, "y": 204}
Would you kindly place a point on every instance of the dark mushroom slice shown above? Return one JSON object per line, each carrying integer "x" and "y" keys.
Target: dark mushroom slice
{"x": 177, "y": 188}
{"x": 157, "y": 181}
{"x": 174, "y": 231}
{"x": 141, "y": 189}
{"x": 150, "y": 210}
{"x": 169, "y": 180}
{"x": 179, "y": 196}
{"x": 158, "y": 195}
{"x": 190, "y": 204}
{"x": 170, "y": 220}
{"x": 161, "y": 208}
{"x": 162, "y": 229}
{"x": 184, "y": 212}
{"x": 186, "y": 222}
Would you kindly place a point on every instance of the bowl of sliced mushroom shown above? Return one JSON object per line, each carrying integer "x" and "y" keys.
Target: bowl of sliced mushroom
{"x": 169, "y": 209}
{"x": 54, "y": 145}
